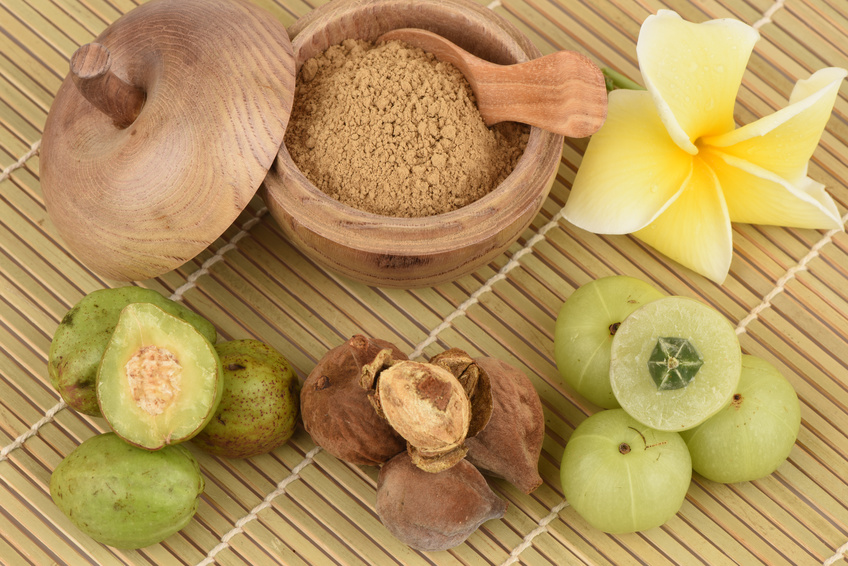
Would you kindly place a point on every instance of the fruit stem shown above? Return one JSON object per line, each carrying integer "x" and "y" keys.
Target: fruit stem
{"x": 614, "y": 80}
{"x": 624, "y": 448}
{"x": 637, "y": 431}
{"x": 644, "y": 441}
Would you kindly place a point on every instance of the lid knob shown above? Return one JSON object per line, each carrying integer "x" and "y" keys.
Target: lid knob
{"x": 91, "y": 69}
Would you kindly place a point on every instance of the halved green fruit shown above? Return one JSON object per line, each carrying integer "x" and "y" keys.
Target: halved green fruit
{"x": 81, "y": 338}
{"x": 674, "y": 363}
{"x": 585, "y": 326}
{"x": 160, "y": 380}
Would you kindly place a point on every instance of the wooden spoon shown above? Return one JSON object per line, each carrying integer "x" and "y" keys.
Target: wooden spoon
{"x": 563, "y": 92}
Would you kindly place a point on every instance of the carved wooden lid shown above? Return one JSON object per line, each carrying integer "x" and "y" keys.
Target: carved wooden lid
{"x": 163, "y": 131}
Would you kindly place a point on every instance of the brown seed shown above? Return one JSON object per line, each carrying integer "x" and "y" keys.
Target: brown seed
{"x": 336, "y": 410}
{"x": 434, "y": 511}
{"x": 510, "y": 445}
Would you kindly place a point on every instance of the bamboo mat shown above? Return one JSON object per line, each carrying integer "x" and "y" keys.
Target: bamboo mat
{"x": 787, "y": 292}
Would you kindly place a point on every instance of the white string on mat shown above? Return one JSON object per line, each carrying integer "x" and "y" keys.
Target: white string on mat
{"x": 7, "y": 172}
{"x": 254, "y": 513}
{"x": 219, "y": 255}
{"x": 33, "y": 430}
{"x": 766, "y": 19}
{"x": 462, "y": 309}
{"x": 841, "y": 552}
{"x": 528, "y": 539}
{"x": 790, "y": 274}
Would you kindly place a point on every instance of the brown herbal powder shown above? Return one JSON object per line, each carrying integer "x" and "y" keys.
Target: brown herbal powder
{"x": 391, "y": 130}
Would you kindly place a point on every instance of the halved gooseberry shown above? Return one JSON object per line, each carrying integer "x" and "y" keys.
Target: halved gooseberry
{"x": 674, "y": 363}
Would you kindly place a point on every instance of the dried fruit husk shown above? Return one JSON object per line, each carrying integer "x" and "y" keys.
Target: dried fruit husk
{"x": 336, "y": 411}
{"x": 434, "y": 511}
{"x": 474, "y": 380}
{"x": 425, "y": 404}
{"x": 510, "y": 445}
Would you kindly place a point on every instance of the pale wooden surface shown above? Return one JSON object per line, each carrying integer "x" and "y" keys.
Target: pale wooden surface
{"x": 786, "y": 293}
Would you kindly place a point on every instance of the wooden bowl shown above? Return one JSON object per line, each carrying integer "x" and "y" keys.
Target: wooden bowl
{"x": 411, "y": 252}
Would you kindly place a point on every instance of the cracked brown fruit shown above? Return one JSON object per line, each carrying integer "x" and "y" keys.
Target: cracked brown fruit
{"x": 259, "y": 407}
{"x": 510, "y": 445}
{"x": 425, "y": 404}
{"x": 434, "y": 511}
{"x": 434, "y": 406}
{"x": 160, "y": 380}
{"x": 336, "y": 411}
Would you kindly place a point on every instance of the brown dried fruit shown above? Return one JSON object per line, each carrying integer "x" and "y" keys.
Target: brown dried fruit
{"x": 425, "y": 404}
{"x": 433, "y": 512}
{"x": 510, "y": 445}
{"x": 336, "y": 411}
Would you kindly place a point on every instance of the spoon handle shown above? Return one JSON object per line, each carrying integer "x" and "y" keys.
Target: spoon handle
{"x": 563, "y": 93}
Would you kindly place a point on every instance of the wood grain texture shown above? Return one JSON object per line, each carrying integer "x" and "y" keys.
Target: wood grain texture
{"x": 411, "y": 252}
{"x": 134, "y": 201}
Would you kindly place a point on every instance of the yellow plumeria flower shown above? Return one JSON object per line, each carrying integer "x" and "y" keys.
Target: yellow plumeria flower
{"x": 670, "y": 167}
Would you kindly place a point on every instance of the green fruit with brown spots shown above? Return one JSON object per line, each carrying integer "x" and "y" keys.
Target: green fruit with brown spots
{"x": 125, "y": 496}
{"x": 259, "y": 408}
{"x": 80, "y": 340}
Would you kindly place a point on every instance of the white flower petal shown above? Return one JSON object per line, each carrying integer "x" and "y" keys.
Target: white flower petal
{"x": 631, "y": 170}
{"x": 693, "y": 71}
{"x": 695, "y": 229}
